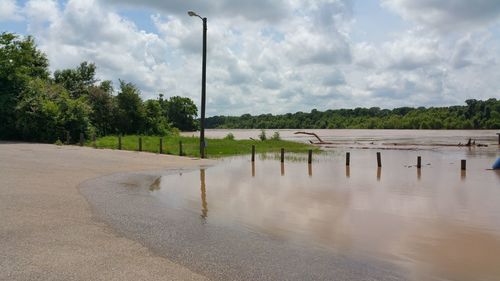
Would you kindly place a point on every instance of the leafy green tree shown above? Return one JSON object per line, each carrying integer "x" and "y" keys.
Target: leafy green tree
{"x": 20, "y": 62}
{"x": 45, "y": 112}
{"x": 103, "y": 104}
{"x": 156, "y": 122}
{"x": 130, "y": 115}
{"x": 74, "y": 116}
{"x": 181, "y": 112}
{"x": 77, "y": 81}
{"x": 36, "y": 113}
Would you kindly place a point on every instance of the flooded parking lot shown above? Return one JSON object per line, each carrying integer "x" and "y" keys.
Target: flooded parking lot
{"x": 246, "y": 219}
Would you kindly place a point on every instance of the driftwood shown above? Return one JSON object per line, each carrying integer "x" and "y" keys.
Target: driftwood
{"x": 320, "y": 141}
{"x": 434, "y": 144}
{"x": 470, "y": 142}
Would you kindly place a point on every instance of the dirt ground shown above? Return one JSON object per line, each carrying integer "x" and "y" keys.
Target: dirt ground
{"x": 47, "y": 231}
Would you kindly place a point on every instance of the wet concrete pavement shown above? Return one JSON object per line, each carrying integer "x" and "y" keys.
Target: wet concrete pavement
{"x": 47, "y": 231}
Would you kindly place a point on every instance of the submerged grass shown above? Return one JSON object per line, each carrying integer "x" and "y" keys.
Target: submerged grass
{"x": 190, "y": 145}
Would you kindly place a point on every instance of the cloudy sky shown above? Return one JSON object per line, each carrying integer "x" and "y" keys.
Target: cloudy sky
{"x": 277, "y": 56}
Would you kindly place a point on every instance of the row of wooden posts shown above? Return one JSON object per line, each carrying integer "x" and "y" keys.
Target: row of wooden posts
{"x": 463, "y": 164}
{"x": 348, "y": 159}
{"x": 82, "y": 141}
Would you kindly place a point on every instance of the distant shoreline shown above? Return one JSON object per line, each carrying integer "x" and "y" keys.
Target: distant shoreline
{"x": 476, "y": 114}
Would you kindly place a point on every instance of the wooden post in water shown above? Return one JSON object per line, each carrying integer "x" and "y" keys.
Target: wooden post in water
{"x": 180, "y": 148}
{"x": 120, "y": 142}
{"x": 282, "y": 155}
{"x": 419, "y": 162}
{"x": 140, "y": 143}
{"x": 498, "y": 138}
{"x": 204, "y": 204}
{"x": 161, "y": 145}
{"x": 379, "y": 160}
{"x": 463, "y": 165}
{"x": 310, "y": 157}
{"x": 347, "y": 158}
{"x": 253, "y": 152}
{"x": 82, "y": 139}
{"x": 94, "y": 141}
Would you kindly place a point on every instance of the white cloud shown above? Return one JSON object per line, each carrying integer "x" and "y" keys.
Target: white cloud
{"x": 40, "y": 11}
{"x": 447, "y": 16}
{"x": 443, "y": 72}
{"x": 83, "y": 30}
{"x": 9, "y": 11}
{"x": 412, "y": 51}
{"x": 266, "y": 10}
{"x": 265, "y": 66}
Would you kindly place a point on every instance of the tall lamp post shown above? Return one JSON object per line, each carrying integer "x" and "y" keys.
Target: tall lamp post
{"x": 203, "y": 83}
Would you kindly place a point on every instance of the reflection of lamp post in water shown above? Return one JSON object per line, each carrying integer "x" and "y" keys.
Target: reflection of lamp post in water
{"x": 203, "y": 83}
{"x": 204, "y": 204}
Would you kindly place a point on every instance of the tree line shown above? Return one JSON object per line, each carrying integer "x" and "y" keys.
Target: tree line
{"x": 475, "y": 114}
{"x": 38, "y": 106}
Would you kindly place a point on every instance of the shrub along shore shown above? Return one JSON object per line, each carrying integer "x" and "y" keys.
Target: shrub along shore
{"x": 190, "y": 145}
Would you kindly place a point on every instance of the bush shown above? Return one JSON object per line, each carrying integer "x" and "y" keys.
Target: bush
{"x": 229, "y": 136}
{"x": 45, "y": 112}
{"x": 174, "y": 132}
{"x": 276, "y": 136}
{"x": 262, "y": 135}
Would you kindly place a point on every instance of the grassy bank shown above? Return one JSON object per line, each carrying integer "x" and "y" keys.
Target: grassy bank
{"x": 190, "y": 145}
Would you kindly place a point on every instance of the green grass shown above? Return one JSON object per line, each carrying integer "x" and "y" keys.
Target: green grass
{"x": 190, "y": 145}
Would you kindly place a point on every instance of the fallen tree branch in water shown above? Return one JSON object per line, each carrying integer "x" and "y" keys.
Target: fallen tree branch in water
{"x": 470, "y": 142}
{"x": 320, "y": 141}
{"x": 432, "y": 144}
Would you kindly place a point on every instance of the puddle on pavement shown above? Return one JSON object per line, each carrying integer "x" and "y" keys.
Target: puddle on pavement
{"x": 438, "y": 222}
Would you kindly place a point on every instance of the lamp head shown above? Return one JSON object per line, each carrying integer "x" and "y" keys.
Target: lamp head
{"x": 192, "y": 14}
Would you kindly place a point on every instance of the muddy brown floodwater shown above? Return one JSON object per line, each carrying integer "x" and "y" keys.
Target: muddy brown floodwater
{"x": 433, "y": 223}
{"x": 365, "y": 137}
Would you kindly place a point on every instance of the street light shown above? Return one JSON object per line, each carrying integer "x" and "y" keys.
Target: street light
{"x": 203, "y": 83}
